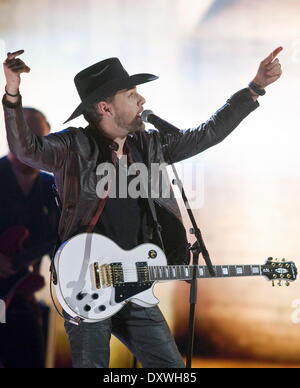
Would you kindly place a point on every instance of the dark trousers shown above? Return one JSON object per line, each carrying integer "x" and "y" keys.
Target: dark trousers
{"x": 143, "y": 330}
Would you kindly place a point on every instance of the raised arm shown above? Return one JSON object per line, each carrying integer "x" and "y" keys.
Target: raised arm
{"x": 43, "y": 152}
{"x": 188, "y": 143}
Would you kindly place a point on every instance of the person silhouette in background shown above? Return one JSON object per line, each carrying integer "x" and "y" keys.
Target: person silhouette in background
{"x": 26, "y": 201}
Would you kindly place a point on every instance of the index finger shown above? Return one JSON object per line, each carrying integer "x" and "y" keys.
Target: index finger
{"x": 15, "y": 54}
{"x": 272, "y": 56}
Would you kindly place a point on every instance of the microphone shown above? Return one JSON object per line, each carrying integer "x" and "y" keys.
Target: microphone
{"x": 163, "y": 126}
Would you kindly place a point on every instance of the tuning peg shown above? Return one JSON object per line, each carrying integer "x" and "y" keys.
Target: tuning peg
{"x": 287, "y": 284}
{"x": 283, "y": 260}
{"x": 273, "y": 283}
{"x": 279, "y": 283}
{"x": 270, "y": 259}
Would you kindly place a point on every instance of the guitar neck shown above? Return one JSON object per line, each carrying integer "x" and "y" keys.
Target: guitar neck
{"x": 186, "y": 272}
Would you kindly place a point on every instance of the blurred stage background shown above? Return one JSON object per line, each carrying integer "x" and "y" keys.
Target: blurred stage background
{"x": 203, "y": 51}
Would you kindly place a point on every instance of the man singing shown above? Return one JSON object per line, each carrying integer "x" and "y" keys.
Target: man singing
{"x": 112, "y": 106}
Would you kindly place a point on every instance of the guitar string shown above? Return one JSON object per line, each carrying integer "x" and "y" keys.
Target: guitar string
{"x": 164, "y": 271}
{"x": 177, "y": 268}
{"x": 151, "y": 268}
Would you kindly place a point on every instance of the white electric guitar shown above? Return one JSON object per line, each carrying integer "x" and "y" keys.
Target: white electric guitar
{"x": 96, "y": 278}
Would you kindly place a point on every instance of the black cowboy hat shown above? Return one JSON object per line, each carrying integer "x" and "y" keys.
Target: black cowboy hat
{"x": 103, "y": 80}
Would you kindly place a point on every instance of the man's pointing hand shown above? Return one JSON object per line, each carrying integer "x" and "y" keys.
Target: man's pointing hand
{"x": 269, "y": 69}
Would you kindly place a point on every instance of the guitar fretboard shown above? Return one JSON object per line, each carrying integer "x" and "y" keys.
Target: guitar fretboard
{"x": 185, "y": 272}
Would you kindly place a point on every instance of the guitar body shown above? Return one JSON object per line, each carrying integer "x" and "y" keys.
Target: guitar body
{"x": 78, "y": 287}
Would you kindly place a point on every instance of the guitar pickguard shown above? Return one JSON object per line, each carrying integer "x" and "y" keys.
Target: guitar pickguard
{"x": 127, "y": 290}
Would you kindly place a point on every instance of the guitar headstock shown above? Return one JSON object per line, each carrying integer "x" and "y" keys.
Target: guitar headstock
{"x": 281, "y": 270}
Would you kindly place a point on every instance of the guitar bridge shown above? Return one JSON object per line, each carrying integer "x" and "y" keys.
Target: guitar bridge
{"x": 103, "y": 275}
{"x": 97, "y": 276}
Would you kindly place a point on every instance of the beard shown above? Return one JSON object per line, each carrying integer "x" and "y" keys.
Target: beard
{"x": 136, "y": 125}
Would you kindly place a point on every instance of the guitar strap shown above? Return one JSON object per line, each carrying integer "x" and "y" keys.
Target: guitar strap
{"x": 58, "y": 242}
{"x": 102, "y": 201}
{"x": 97, "y": 215}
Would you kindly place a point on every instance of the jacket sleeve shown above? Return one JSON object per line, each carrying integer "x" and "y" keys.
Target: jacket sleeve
{"x": 42, "y": 152}
{"x": 190, "y": 142}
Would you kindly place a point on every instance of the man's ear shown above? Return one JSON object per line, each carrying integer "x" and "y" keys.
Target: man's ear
{"x": 104, "y": 108}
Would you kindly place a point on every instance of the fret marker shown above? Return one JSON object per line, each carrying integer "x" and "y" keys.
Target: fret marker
{"x": 239, "y": 271}
{"x": 225, "y": 271}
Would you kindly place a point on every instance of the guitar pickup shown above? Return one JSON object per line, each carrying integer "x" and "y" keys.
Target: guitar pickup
{"x": 117, "y": 274}
{"x": 143, "y": 272}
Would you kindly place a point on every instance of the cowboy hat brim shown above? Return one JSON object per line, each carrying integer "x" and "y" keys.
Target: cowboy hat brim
{"x": 111, "y": 88}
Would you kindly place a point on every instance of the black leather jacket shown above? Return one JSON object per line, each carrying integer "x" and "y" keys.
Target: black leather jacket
{"x": 74, "y": 153}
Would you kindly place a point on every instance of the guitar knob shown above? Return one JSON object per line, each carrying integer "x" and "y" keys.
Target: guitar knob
{"x": 81, "y": 296}
{"x": 152, "y": 254}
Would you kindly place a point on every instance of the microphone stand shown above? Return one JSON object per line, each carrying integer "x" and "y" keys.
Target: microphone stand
{"x": 197, "y": 248}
